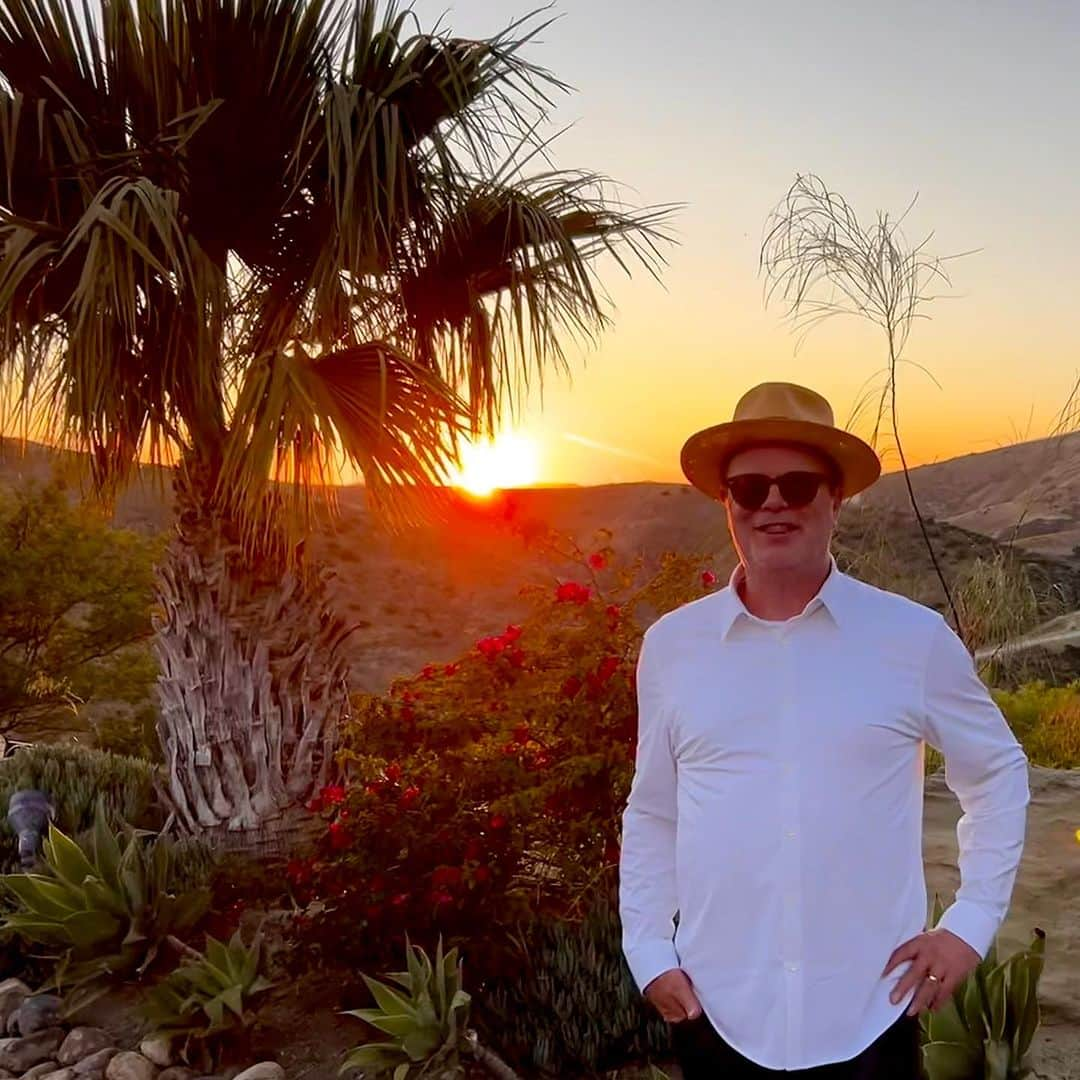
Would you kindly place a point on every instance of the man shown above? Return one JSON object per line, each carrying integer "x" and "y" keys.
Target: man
{"x": 776, "y": 806}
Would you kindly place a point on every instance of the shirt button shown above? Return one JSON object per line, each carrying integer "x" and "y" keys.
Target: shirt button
{"x": 792, "y": 967}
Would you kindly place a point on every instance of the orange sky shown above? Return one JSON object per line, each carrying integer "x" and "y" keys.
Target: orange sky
{"x": 972, "y": 106}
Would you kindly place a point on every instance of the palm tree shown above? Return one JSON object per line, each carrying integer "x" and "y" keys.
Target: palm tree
{"x": 253, "y": 238}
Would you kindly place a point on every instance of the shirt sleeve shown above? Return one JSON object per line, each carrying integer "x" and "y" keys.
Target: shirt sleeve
{"x": 987, "y": 770}
{"x": 647, "y": 891}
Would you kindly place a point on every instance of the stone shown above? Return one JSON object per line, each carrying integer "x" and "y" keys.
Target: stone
{"x": 35, "y": 1014}
{"x": 96, "y": 1063}
{"x": 81, "y": 1043}
{"x": 13, "y": 992}
{"x": 178, "y": 1072}
{"x": 43, "y": 1069}
{"x": 61, "y": 1074}
{"x": 158, "y": 1049}
{"x": 265, "y": 1070}
{"x": 127, "y": 1065}
{"x": 5, "y": 1075}
{"x": 18, "y": 1055}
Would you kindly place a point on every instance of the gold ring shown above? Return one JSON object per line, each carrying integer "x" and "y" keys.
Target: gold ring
{"x": 933, "y": 978}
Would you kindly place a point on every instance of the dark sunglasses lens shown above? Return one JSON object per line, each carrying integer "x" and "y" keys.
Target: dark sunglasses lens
{"x": 798, "y": 488}
{"x": 749, "y": 490}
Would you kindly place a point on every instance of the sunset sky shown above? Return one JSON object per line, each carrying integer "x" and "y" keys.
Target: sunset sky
{"x": 972, "y": 106}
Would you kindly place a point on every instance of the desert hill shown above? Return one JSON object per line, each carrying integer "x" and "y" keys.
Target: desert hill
{"x": 428, "y": 594}
{"x": 1029, "y": 492}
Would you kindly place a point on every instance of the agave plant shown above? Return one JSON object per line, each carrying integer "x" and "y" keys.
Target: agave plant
{"x": 210, "y": 994}
{"x": 986, "y": 1027}
{"x": 107, "y": 911}
{"x": 427, "y": 1024}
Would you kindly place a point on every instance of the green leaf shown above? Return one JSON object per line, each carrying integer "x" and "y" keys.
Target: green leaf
{"x": 390, "y": 1001}
{"x": 997, "y": 1060}
{"x": 66, "y": 858}
{"x": 950, "y": 1061}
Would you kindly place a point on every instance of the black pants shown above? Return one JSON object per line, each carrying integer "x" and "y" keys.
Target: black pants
{"x": 895, "y": 1054}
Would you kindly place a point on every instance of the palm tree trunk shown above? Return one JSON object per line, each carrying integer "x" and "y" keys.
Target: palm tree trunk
{"x": 252, "y": 684}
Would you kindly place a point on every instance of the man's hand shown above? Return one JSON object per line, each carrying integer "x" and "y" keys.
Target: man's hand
{"x": 936, "y": 952}
{"x": 673, "y": 996}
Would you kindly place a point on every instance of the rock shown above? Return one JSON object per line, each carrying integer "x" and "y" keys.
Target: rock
{"x": 43, "y": 1069}
{"x": 265, "y": 1070}
{"x": 35, "y": 1014}
{"x": 127, "y": 1065}
{"x": 95, "y": 1063}
{"x": 81, "y": 1043}
{"x": 61, "y": 1074}
{"x": 5, "y": 1075}
{"x": 18, "y": 1055}
{"x": 13, "y": 992}
{"x": 158, "y": 1049}
{"x": 178, "y": 1072}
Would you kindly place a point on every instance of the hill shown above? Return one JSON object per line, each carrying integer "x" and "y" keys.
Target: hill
{"x": 428, "y": 594}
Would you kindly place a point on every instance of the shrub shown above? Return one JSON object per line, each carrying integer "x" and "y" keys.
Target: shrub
{"x": 567, "y": 1004}
{"x": 104, "y": 912}
{"x": 490, "y": 788}
{"x": 1046, "y": 721}
{"x": 75, "y": 778}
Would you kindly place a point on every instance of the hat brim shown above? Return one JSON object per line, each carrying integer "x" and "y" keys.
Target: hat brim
{"x": 704, "y": 453}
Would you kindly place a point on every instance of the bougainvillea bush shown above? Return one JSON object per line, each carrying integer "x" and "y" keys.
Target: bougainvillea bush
{"x": 491, "y": 788}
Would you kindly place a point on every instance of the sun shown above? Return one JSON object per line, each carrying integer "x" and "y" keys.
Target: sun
{"x": 511, "y": 460}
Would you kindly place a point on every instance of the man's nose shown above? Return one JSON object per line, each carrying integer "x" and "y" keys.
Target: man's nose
{"x": 774, "y": 500}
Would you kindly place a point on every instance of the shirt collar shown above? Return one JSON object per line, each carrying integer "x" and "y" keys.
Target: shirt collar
{"x": 832, "y": 595}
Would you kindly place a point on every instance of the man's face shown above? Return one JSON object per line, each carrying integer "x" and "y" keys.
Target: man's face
{"x": 777, "y": 536}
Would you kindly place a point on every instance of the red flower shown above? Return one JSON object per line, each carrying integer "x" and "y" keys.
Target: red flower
{"x": 373, "y": 789}
{"x": 516, "y": 657}
{"x": 441, "y": 897}
{"x": 491, "y": 646}
{"x": 298, "y": 871}
{"x": 608, "y": 666}
{"x": 332, "y": 795}
{"x": 708, "y": 579}
{"x": 521, "y": 733}
{"x": 497, "y": 821}
{"x": 450, "y": 669}
{"x": 410, "y": 795}
{"x": 597, "y": 561}
{"x": 445, "y": 875}
{"x": 571, "y": 687}
{"x": 399, "y": 899}
{"x": 428, "y": 671}
{"x": 512, "y": 633}
{"x": 613, "y": 612}
{"x": 339, "y": 838}
{"x": 393, "y": 772}
{"x": 573, "y": 593}
{"x": 315, "y": 805}
{"x": 482, "y": 873}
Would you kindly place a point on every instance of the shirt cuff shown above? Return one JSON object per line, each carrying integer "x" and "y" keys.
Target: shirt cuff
{"x": 648, "y": 961}
{"x": 970, "y": 923}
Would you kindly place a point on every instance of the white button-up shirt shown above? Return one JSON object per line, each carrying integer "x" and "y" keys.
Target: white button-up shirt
{"x": 777, "y": 807}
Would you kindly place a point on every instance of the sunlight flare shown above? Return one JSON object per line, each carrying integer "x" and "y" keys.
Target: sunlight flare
{"x": 510, "y": 460}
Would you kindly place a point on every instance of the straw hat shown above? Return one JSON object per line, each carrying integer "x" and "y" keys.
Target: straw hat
{"x": 777, "y": 412}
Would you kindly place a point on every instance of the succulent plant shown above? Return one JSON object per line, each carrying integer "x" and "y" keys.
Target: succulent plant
{"x": 986, "y": 1027}
{"x": 211, "y": 993}
{"x": 570, "y": 1005}
{"x": 426, "y": 1023}
{"x": 104, "y": 912}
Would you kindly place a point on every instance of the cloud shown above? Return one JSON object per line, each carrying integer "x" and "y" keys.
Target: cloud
{"x": 616, "y": 451}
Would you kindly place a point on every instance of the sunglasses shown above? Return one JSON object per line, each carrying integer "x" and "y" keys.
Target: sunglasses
{"x": 797, "y": 489}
